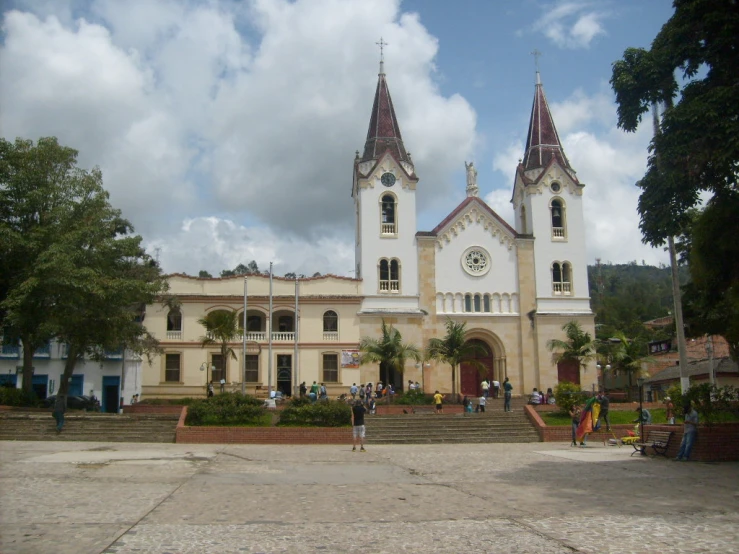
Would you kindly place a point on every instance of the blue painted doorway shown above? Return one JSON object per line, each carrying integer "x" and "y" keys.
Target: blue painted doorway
{"x": 111, "y": 394}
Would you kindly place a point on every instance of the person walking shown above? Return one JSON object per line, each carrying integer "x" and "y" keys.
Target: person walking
{"x": 669, "y": 411}
{"x": 496, "y": 388}
{"x": 353, "y": 391}
{"x": 485, "y": 388}
{"x": 323, "y": 392}
{"x": 482, "y": 403}
{"x": 575, "y": 418}
{"x": 690, "y": 430}
{"x": 303, "y": 389}
{"x": 604, "y": 404}
{"x": 361, "y": 392}
{"x": 60, "y": 407}
{"x": 507, "y": 393}
{"x": 358, "y": 411}
{"x": 439, "y": 401}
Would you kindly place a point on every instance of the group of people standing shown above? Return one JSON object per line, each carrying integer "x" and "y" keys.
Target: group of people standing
{"x": 588, "y": 418}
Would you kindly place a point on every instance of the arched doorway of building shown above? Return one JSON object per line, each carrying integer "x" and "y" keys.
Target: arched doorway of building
{"x": 471, "y": 376}
{"x": 569, "y": 371}
{"x": 389, "y": 374}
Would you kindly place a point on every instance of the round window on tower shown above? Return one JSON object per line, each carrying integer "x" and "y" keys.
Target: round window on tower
{"x": 555, "y": 186}
{"x": 476, "y": 261}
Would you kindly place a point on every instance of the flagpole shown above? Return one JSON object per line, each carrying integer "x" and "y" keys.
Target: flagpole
{"x": 243, "y": 336}
{"x": 296, "y": 373}
{"x": 269, "y": 330}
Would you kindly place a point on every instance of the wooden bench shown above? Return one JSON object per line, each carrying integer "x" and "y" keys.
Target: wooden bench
{"x": 657, "y": 440}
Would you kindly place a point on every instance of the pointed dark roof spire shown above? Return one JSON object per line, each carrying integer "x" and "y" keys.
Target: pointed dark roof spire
{"x": 383, "y": 134}
{"x": 542, "y": 143}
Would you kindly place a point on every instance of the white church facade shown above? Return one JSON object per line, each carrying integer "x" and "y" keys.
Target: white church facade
{"x": 514, "y": 286}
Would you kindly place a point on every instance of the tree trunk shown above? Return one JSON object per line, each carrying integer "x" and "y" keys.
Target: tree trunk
{"x": 454, "y": 383}
{"x": 28, "y": 352}
{"x": 69, "y": 366}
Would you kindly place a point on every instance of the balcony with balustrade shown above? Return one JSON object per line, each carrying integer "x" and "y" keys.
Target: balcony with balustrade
{"x": 562, "y": 288}
{"x": 10, "y": 351}
{"x": 43, "y": 352}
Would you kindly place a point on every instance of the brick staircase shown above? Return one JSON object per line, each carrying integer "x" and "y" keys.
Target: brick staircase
{"x": 80, "y": 426}
{"x": 494, "y": 425}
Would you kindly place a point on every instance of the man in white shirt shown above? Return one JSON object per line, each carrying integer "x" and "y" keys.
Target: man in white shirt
{"x": 485, "y": 388}
{"x": 496, "y": 388}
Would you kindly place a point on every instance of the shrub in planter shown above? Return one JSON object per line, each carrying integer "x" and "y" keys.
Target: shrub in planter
{"x": 567, "y": 395}
{"x": 227, "y": 409}
{"x": 413, "y": 398}
{"x": 11, "y": 396}
{"x": 329, "y": 413}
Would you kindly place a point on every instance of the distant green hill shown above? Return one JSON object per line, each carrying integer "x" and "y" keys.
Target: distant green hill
{"x": 625, "y": 295}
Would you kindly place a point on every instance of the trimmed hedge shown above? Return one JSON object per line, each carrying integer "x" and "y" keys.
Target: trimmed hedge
{"x": 228, "y": 409}
{"x": 301, "y": 412}
{"x": 185, "y": 401}
{"x": 11, "y": 396}
{"x": 413, "y": 398}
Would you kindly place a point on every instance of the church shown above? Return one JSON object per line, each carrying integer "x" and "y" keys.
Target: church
{"x": 513, "y": 285}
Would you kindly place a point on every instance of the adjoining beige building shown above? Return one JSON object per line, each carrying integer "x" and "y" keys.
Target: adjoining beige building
{"x": 514, "y": 285}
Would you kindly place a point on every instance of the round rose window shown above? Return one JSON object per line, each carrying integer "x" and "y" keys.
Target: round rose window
{"x": 476, "y": 261}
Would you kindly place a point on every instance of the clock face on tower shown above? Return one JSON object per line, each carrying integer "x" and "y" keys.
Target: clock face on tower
{"x": 387, "y": 179}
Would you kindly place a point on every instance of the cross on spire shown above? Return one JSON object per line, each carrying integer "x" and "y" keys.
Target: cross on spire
{"x": 382, "y": 44}
{"x": 536, "y": 55}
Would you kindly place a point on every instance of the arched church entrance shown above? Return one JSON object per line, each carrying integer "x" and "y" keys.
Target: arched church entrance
{"x": 390, "y": 375}
{"x": 471, "y": 375}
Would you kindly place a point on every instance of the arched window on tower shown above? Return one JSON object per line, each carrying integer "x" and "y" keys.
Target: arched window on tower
{"x": 561, "y": 278}
{"x": 388, "y": 213}
{"x": 389, "y": 275}
{"x": 559, "y": 226}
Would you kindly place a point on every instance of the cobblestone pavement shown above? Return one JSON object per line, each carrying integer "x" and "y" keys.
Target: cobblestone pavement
{"x": 77, "y": 498}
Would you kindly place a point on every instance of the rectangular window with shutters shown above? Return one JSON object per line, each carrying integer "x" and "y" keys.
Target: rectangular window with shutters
{"x": 330, "y": 368}
{"x": 172, "y": 368}
{"x": 252, "y": 368}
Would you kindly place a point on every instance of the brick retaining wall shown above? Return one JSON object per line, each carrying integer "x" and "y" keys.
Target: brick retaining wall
{"x": 717, "y": 443}
{"x": 260, "y": 435}
{"x": 152, "y": 409}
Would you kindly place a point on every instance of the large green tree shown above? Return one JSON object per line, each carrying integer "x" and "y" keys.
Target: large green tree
{"x": 453, "y": 349}
{"x": 389, "y": 351}
{"x": 691, "y": 70}
{"x": 69, "y": 267}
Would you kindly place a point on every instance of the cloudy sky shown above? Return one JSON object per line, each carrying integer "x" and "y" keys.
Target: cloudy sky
{"x": 226, "y": 129}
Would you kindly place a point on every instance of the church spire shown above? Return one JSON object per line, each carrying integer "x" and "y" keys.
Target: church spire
{"x": 383, "y": 134}
{"x": 542, "y": 143}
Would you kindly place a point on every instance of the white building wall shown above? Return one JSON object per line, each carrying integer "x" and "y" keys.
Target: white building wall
{"x": 374, "y": 246}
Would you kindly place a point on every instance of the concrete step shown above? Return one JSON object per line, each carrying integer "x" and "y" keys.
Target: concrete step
{"x": 89, "y": 427}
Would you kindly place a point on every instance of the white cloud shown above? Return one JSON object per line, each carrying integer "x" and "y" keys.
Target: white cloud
{"x": 571, "y": 23}
{"x": 249, "y": 113}
{"x": 213, "y": 244}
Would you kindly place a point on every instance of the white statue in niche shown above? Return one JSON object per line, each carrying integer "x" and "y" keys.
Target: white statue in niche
{"x": 472, "y": 189}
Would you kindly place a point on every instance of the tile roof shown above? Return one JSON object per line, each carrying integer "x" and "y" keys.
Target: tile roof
{"x": 542, "y": 143}
{"x": 383, "y": 134}
{"x": 701, "y": 367}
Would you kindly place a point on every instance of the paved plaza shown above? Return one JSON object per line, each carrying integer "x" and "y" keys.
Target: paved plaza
{"x": 76, "y": 498}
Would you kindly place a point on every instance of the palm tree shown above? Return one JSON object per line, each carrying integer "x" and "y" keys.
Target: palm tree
{"x": 221, "y": 328}
{"x": 453, "y": 349}
{"x": 629, "y": 355}
{"x": 389, "y": 351}
{"x": 579, "y": 346}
